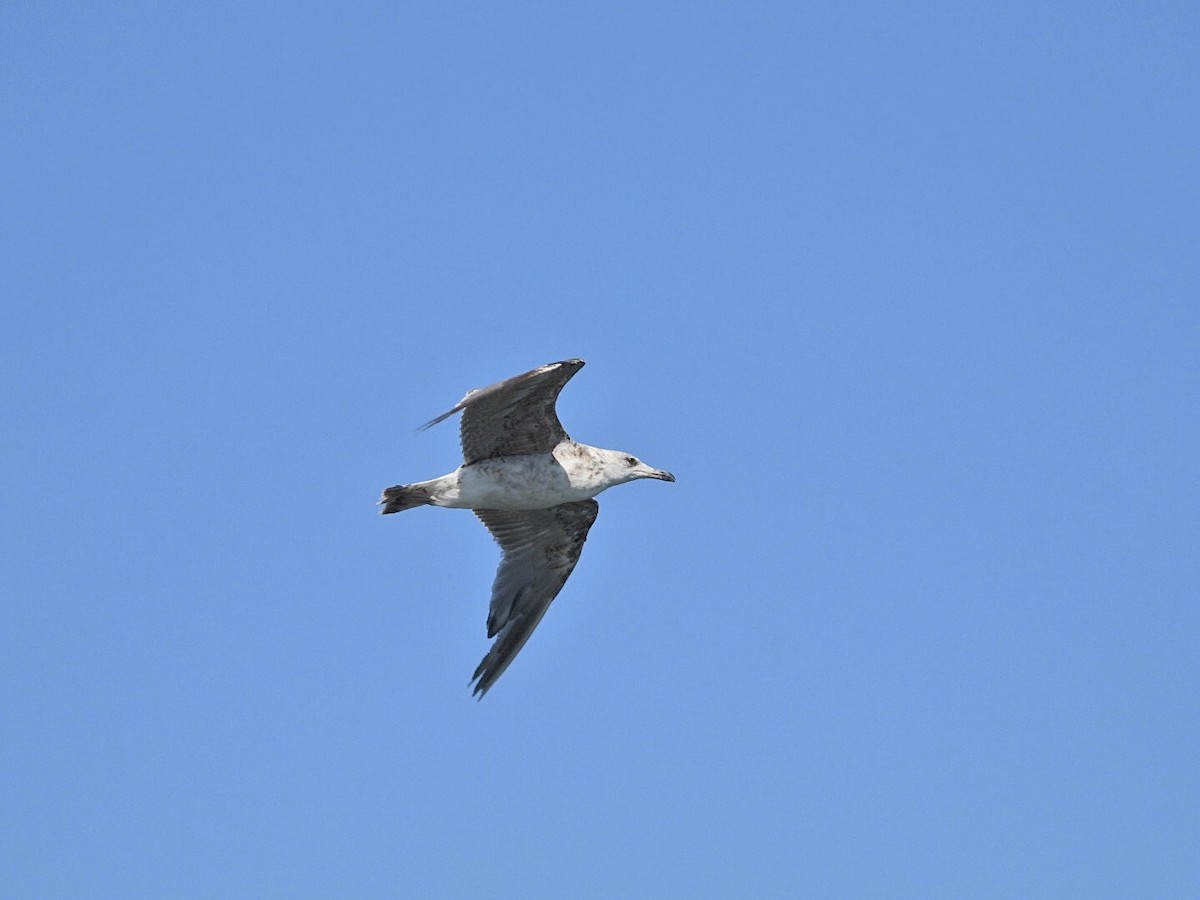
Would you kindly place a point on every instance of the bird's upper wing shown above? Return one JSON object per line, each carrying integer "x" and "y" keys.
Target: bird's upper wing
{"x": 541, "y": 547}
{"x": 513, "y": 416}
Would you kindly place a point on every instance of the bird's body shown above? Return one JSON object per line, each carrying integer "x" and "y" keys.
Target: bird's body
{"x": 569, "y": 473}
{"x": 533, "y": 487}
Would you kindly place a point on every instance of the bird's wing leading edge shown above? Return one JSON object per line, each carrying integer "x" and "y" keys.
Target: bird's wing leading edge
{"x": 541, "y": 547}
{"x": 513, "y": 416}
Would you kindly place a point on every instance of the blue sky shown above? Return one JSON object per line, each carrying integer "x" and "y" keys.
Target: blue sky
{"x": 907, "y": 297}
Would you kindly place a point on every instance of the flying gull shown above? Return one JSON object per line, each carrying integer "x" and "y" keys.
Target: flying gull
{"x": 532, "y": 486}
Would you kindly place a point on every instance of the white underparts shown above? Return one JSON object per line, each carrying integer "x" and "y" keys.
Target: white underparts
{"x": 533, "y": 481}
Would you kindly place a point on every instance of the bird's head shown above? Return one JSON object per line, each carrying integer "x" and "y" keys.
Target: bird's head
{"x": 629, "y": 468}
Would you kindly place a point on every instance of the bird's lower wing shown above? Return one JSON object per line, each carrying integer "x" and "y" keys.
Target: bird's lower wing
{"x": 541, "y": 548}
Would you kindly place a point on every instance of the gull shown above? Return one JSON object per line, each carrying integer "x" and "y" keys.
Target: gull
{"x": 533, "y": 488}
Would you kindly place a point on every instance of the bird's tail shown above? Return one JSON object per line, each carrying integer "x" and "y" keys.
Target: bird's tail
{"x": 400, "y": 497}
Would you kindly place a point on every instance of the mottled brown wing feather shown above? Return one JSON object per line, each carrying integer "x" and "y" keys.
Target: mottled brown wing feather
{"x": 513, "y": 416}
{"x": 541, "y": 547}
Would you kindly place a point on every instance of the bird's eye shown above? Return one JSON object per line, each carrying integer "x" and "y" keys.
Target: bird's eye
{"x": 629, "y": 460}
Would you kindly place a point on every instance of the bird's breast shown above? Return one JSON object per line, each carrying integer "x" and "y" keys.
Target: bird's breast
{"x": 531, "y": 481}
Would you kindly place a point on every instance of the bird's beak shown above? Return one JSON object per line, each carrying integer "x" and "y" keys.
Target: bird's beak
{"x": 661, "y": 475}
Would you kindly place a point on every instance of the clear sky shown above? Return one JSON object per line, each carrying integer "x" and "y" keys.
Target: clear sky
{"x": 906, "y": 295}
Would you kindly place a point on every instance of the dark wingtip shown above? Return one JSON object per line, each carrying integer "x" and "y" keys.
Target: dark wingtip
{"x": 442, "y": 418}
{"x": 479, "y": 682}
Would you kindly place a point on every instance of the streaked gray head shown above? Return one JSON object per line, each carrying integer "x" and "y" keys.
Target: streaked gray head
{"x": 623, "y": 467}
